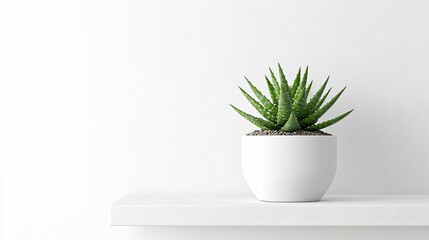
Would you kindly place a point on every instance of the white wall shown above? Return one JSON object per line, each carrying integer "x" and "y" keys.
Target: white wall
{"x": 103, "y": 98}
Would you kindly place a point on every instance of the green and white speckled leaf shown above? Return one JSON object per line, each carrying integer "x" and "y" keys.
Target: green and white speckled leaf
{"x": 290, "y": 107}
{"x": 322, "y": 100}
{"x": 307, "y": 91}
{"x": 275, "y": 82}
{"x": 265, "y": 113}
{"x": 259, "y": 122}
{"x": 283, "y": 80}
{"x": 264, "y": 100}
{"x": 310, "y": 107}
{"x": 329, "y": 122}
{"x": 300, "y": 98}
{"x": 292, "y": 124}
{"x": 272, "y": 91}
{"x": 312, "y": 119}
{"x": 303, "y": 83}
{"x": 285, "y": 107}
{"x": 296, "y": 82}
{"x": 299, "y": 102}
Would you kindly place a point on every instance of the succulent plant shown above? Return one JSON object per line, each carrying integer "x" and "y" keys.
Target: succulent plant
{"x": 290, "y": 109}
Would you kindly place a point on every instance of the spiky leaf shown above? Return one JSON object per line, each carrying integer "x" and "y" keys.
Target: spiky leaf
{"x": 307, "y": 91}
{"x": 303, "y": 83}
{"x": 292, "y": 124}
{"x": 299, "y": 102}
{"x": 265, "y": 113}
{"x": 272, "y": 91}
{"x": 300, "y": 97}
{"x": 264, "y": 100}
{"x": 322, "y": 100}
{"x": 295, "y": 83}
{"x": 263, "y": 124}
{"x": 285, "y": 107}
{"x": 275, "y": 82}
{"x": 283, "y": 80}
{"x": 329, "y": 122}
{"x": 311, "y": 105}
{"x": 312, "y": 119}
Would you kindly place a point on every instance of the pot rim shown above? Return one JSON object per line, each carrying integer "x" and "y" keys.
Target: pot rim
{"x": 291, "y": 136}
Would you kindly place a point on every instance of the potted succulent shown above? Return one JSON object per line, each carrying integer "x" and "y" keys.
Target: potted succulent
{"x": 289, "y": 159}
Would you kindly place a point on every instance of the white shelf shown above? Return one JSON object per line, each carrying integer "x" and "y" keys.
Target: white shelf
{"x": 245, "y": 210}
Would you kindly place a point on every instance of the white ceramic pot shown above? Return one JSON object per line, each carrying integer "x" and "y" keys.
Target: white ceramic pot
{"x": 289, "y": 168}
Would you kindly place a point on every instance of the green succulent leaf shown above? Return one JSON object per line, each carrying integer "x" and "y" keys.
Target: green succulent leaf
{"x": 322, "y": 100}
{"x": 292, "y": 124}
{"x": 264, "y": 100}
{"x": 261, "y": 123}
{"x": 329, "y": 122}
{"x": 285, "y": 107}
{"x": 283, "y": 80}
{"x": 295, "y": 83}
{"x": 300, "y": 97}
{"x": 307, "y": 91}
{"x": 299, "y": 102}
{"x": 275, "y": 82}
{"x": 312, "y": 119}
{"x": 289, "y": 107}
{"x": 272, "y": 91}
{"x": 311, "y": 105}
{"x": 265, "y": 113}
{"x": 303, "y": 83}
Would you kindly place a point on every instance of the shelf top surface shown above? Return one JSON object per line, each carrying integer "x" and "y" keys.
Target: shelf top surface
{"x": 246, "y": 210}
{"x": 249, "y": 200}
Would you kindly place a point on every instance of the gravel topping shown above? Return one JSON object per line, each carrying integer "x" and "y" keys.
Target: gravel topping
{"x": 282, "y": 133}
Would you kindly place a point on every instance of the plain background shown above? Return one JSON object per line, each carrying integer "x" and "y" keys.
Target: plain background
{"x": 104, "y": 98}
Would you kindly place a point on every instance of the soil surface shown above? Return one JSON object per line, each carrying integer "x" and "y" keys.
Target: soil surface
{"x": 282, "y": 133}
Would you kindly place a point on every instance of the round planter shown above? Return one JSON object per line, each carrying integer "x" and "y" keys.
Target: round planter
{"x": 289, "y": 168}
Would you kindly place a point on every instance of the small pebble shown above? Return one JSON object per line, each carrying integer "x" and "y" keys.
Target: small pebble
{"x": 283, "y": 133}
